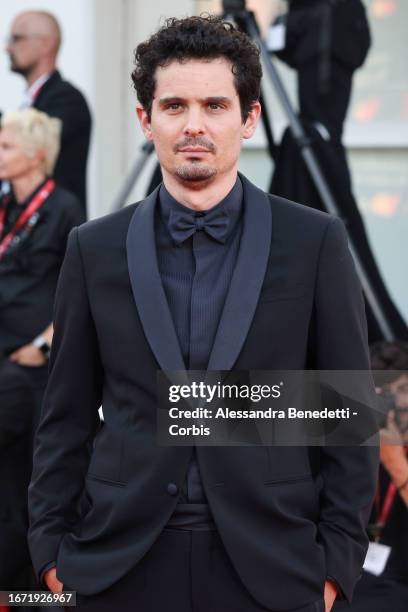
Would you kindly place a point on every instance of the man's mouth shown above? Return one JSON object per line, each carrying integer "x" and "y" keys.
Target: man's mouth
{"x": 194, "y": 150}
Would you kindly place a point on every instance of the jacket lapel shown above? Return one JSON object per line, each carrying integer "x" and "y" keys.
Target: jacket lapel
{"x": 49, "y": 83}
{"x": 247, "y": 279}
{"x": 242, "y": 297}
{"x": 147, "y": 287}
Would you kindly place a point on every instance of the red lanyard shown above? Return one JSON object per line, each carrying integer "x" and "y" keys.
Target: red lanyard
{"x": 35, "y": 204}
{"x": 384, "y": 511}
{"x": 36, "y": 92}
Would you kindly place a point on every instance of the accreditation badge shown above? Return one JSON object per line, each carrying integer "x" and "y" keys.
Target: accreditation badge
{"x": 376, "y": 558}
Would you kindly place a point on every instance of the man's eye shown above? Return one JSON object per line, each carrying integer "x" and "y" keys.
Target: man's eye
{"x": 174, "y": 106}
{"x": 214, "y": 106}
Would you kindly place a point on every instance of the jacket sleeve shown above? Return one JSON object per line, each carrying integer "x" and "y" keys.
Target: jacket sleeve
{"x": 69, "y": 418}
{"x": 349, "y": 473}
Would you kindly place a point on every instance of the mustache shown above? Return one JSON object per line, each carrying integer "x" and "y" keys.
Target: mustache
{"x": 195, "y": 142}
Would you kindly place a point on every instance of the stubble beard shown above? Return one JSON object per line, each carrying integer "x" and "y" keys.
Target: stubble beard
{"x": 195, "y": 172}
{"x": 24, "y": 71}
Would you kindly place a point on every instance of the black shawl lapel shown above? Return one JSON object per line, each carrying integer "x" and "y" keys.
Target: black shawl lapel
{"x": 242, "y": 296}
{"x": 247, "y": 279}
{"x": 147, "y": 287}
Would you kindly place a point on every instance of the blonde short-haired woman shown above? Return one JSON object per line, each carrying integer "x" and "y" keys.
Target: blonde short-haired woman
{"x": 37, "y": 134}
{"x": 35, "y": 218}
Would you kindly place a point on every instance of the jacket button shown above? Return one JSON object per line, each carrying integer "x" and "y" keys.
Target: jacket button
{"x": 172, "y": 489}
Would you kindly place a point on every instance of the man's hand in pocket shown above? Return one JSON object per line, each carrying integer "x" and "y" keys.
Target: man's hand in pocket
{"x": 52, "y": 581}
{"x": 330, "y": 594}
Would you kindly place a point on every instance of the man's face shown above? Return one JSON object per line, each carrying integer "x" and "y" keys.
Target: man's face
{"x": 24, "y": 46}
{"x": 196, "y": 123}
{"x": 14, "y": 161}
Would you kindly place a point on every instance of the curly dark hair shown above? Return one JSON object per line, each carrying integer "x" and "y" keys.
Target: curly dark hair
{"x": 203, "y": 37}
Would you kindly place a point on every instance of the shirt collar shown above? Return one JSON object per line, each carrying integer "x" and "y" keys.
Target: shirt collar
{"x": 31, "y": 92}
{"x": 232, "y": 204}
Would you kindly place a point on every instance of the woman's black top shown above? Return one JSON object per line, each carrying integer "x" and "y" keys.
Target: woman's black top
{"x": 29, "y": 271}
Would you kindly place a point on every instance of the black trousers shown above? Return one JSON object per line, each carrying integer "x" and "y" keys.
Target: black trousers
{"x": 38, "y": 377}
{"x": 377, "y": 594}
{"x": 184, "y": 571}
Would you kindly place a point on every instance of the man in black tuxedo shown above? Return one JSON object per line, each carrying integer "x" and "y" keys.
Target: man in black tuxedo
{"x": 208, "y": 272}
{"x": 33, "y": 46}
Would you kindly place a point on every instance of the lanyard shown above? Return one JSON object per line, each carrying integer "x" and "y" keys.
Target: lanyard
{"x": 35, "y": 93}
{"x": 25, "y": 217}
{"x": 384, "y": 510}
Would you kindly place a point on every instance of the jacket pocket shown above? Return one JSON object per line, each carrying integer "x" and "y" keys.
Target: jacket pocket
{"x": 285, "y": 481}
{"x": 107, "y": 458}
{"x": 112, "y": 483}
{"x": 277, "y": 292}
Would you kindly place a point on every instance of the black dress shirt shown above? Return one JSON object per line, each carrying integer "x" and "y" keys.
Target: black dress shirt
{"x": 196, "y": 275}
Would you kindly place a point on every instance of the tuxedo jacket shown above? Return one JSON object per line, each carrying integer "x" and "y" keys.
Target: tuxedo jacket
{"x": 60, "y": 99}
{"x": 100, "y": 495}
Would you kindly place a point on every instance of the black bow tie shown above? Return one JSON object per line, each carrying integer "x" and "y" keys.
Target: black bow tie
{"x": 183, "y": 224}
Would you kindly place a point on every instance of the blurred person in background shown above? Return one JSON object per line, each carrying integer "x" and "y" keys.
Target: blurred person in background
{"x": 35, "y": 220}
{"x": 387, "y": 588}
{"x": 33, "y": 45}
{"x": 326, "y": 42}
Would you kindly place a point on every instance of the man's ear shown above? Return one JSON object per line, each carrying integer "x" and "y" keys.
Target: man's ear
{"x": 47, "y": 44}
{"x": 252, "y": 120}
{"x": 144, "y": 122}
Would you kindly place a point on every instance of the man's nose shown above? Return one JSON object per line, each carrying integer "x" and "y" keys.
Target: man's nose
{"x": 195, "y": 123}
